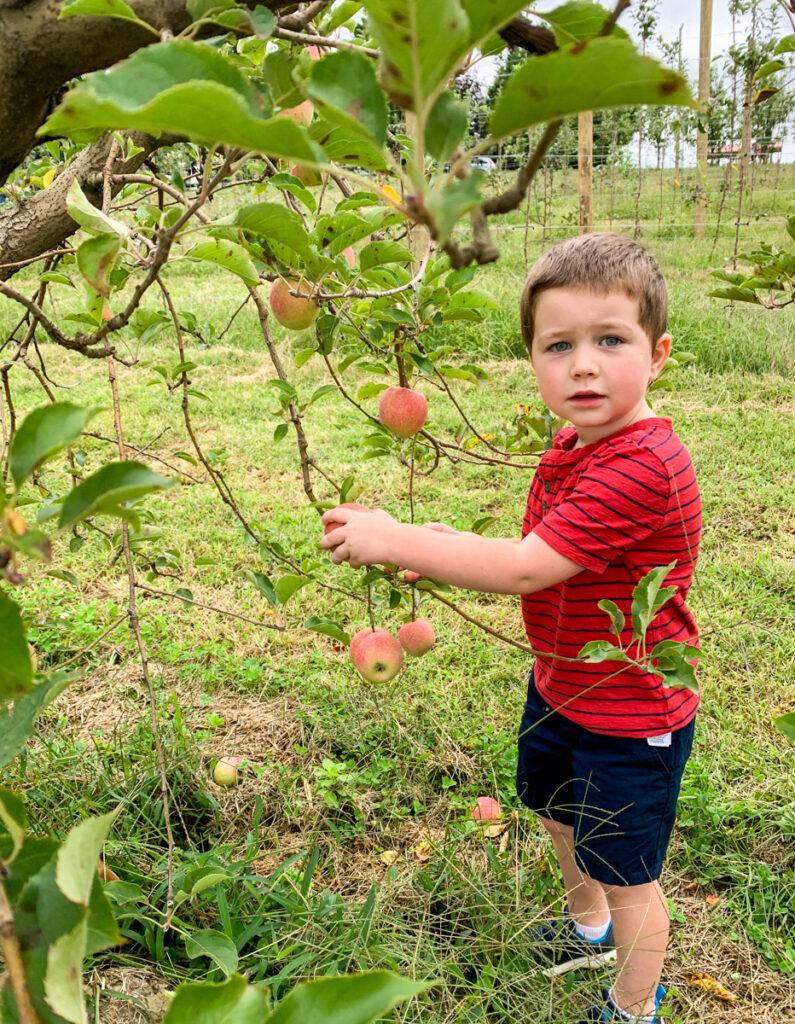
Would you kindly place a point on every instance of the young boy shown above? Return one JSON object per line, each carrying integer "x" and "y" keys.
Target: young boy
{"x": 601, "y": 747}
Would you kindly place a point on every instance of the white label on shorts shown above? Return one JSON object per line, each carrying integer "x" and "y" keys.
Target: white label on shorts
{"x": 659, "y": 741}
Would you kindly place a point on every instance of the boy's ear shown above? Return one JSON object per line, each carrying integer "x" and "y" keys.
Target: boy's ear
{"x": 662, "y": 350}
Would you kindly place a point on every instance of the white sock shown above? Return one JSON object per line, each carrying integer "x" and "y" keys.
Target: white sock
{"x": 631, "y": 1017}
{"x": 592, "y": 934}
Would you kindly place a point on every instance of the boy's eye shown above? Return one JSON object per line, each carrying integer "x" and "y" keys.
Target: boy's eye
{"x": 555, "y": 346}
{"x": 611, "y": 341}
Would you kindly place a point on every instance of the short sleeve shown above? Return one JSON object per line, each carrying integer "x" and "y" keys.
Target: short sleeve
{"x": 619, "y": 501}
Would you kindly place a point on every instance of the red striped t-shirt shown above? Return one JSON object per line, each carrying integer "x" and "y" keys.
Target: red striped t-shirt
{"x": 618, "y": 507}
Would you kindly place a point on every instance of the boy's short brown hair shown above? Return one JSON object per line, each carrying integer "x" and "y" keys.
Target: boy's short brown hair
{"x": 600, "y": 262}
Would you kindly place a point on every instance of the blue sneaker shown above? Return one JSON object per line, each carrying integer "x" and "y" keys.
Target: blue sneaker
{"x": 608, "y": 1011}
{"x": 557, "y": 948}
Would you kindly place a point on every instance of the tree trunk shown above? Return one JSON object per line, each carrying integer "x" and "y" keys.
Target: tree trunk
{"x": 40, "y": 223}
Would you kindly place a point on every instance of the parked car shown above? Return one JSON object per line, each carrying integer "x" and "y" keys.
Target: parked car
{"x": 482, "y": 163}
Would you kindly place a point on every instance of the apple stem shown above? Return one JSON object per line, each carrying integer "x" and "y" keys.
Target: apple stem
{"x": 370, "y": 603}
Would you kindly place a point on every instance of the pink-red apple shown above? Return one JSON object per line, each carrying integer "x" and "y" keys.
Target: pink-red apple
{"x": 301, "y": 114}
{"x": 308, "y": 176}
{"x": 225, "y": 772}
{"x": 291, "y": 311}
{"x": 349, "y": 255}
{"x": 379, "y": 657}
{"x": 346, "y": 504}
{"x": 357, "y": 638}
{"x": 416, "y": 637}
{"x": 403, "y": 410}
{"x": 486, "y": 809}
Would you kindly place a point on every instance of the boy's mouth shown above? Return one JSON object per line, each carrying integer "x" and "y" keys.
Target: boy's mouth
{"x": 586, "y": 397}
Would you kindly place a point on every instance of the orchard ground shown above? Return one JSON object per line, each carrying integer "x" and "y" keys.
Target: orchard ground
{"x": 349, "y": 844}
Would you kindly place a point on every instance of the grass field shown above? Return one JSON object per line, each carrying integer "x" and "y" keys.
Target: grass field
{"x": 349, "y": 845}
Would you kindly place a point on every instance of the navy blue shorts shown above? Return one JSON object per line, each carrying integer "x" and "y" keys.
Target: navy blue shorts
{"x": 618, "y": 794}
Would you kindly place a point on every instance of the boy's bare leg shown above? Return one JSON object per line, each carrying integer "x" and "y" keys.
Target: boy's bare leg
{"x": 587, "y": 901}
{"x": 640, "y": 929}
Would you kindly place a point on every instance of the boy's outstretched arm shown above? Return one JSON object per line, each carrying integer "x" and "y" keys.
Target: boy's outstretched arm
{"x": 460, "y": 559}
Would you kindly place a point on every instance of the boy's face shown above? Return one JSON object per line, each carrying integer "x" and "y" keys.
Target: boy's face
{"x": 593, "y": 360}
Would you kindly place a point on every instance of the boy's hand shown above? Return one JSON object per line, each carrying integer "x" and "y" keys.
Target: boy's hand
{"x": 361, "y": 539}
{"x": 412, "y": 577}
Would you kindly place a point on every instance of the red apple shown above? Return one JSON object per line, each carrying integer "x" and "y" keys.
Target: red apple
{"x": 346, "y": 504}
{"x": 314, "y": 52}
{"x": 225, "y": 772}
{"x": 402, "y": 410}
{"x": 417, "y": 637}
{"x": 357, "y": 638}
{"x": 349, "y": 255}
{"x": 289, "y": 310}
{"x": 308, "y": 176}
{"x": 486, "y": 809}
{"x": 379, "y": 657}
{"x": 301, "y": 114}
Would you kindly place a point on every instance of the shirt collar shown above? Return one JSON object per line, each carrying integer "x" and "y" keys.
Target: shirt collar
{"x": 563, "y": 452}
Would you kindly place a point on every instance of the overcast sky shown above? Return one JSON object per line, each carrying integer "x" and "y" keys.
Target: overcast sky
{"x": 685, "y": 13}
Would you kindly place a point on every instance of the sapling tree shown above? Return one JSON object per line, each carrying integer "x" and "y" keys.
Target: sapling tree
{"x": 207, "y": 97}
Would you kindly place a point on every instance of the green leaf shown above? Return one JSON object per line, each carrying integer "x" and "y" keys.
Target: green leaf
{"x": 95, "y": 259}
{"x": 786, "y": 723}
{"x": 769, "y": 68}
{"x": 56, "y": 277}
{"x": 89, "y": 217}
{"x": 648, "y": 598}
{"x": 377, "y": 254}
{"x": 327, "y": 627}
{"x": 183, "y": 88}
{"x": 232, "y": 1002}
{"x": 481, "y": 525}
{"x": 579, "y": 20}
{"x": 288, "y": 585}
{"x": 229, "y": 255}
{"x": 12, "y": 814}
{"x": 107, "y": 8}
{"x": 445, "y": 127}
{"x": 17, "y": 720}
{"x": 786, "y": 45}
{"x": 263, "y": 584}
{"x": 351, "y": 999}
{"x": 217, "y": 946}
{"x": 735, "y": 294}
{"x": 16, "y": 667}
{"x": 274, "y": 222}
{"x": 103, "y": 492}
{"x": 601, "y": 650}
{"x": 43, "y": 432}
{"x": 420, "y": 44}
{"x": 344, "y": 85}
{"x": 449, "y": 205}
{"x": 281, "y": 431}
{"x": 289, "y": 183}
{"x": 63, "y": 981}
{"x": 677, "y": 671}
{"x": 617, "y": 619}
{"x": 665, "y": 647}
{"x": 601, "y": 73}
{"x": 76, "y": 863}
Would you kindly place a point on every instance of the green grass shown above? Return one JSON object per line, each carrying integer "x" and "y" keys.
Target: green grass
{"x": 341, "y": 770}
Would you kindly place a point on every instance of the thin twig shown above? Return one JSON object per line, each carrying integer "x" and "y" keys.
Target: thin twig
{"x": 211, "y": 608}
{"x": 12, "y": 954}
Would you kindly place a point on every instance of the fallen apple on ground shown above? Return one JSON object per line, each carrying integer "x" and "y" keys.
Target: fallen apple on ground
{"x": 378, "y": 657}
{"x": 486, "y": 809}
{"x": 225, "y": 772}
{"x": 416, "y": 637}
{"x": 291, "y": 311}
{"x": 402, "y": 410}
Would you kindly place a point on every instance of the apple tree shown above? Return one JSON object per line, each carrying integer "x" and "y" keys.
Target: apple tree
{"x": 357, "y": 214}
